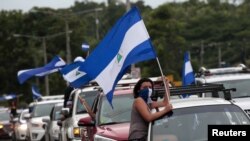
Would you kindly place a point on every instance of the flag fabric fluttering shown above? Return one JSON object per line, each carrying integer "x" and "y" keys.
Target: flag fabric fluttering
{"x": 127, "y": 43}
{"x": 49, "y": 68}
{"x": 85, "y": 46}
{"x": 187, "y": 72}
{"x": 35, "y": 92}
{"x": 8, "y": 97}
{"x": 72, "y": 74}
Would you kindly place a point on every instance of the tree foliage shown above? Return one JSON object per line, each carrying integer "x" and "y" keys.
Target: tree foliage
{"x": 173, "y": 27}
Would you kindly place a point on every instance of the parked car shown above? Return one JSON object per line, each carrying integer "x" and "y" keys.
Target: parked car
{"x": 74, "y": 111}
{"x": 191, "y": 116}
{"x": 231, "y": 77}
{"x": 20, "y": 126}
{"x": 109, "y": 123}
{"x": 52, "y": 129}
{"x": 5, "y": 124}
{"x": 41, "y": 109}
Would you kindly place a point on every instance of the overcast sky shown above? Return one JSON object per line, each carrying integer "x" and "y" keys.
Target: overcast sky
{"x": 26, "y": 5}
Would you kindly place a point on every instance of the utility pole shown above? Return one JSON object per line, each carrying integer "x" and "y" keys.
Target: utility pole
{"x": 202, "y": 52}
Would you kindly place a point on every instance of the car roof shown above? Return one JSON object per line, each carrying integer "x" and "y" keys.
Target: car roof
{"x": 193, "y": 102}
{"x": 225, "y": 77}
{"x": 48, "y": 101}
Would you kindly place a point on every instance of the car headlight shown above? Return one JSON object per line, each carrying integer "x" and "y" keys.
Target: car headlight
{"x": 23, "y": 127}
{"x": 1, "y": 126}
{"x": 76, "y": 132}
{"x": 101, "y": 138}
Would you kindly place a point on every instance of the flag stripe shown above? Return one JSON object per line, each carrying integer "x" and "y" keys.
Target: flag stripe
{"x": 51, "y": 67}
{"x": 111, "y": 42}
{"x": 130, "y": 41}
{"x": 188, "y": 68}
{"x": 72, "y": 75}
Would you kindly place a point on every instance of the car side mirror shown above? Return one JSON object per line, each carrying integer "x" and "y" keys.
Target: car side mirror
{"x": 27, "y": 116}
{"x": 59, "y": 123}
{"x": 46, "y": 119}
{"x": 65, "y": 112}
{"x": 15, "y": 120}
{"x": 86, "y": 121}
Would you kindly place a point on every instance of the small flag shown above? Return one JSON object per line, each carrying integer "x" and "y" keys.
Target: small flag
{"x": 187, "y": 72}
{"x": 35, "y": 92}
{"x": 127, "y": 43}
{"x": 51, "y": 67}
{"x": 85, "y": 47}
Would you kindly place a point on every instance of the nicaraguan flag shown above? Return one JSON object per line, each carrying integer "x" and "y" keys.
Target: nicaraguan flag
{"x": 127, "y": 43}
{"x": 51, "y": 67}
{"x": 85, "y": 47}
{"x": 187, "y": 72}
{"x": 35, "y": 92}
{"x": 8, "y": 97}
{"x": 73, "y": 75}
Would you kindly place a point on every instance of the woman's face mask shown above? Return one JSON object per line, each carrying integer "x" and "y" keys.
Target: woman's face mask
{"x": 145, "y": 94}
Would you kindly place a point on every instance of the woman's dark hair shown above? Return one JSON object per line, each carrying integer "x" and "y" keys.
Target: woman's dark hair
{"x": 138, "y": 86}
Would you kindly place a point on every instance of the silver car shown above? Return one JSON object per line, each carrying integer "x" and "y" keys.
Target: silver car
{"x": 35, "y": 124}
{"x": 231, "y": 77}
{"x": 20, "y": 128}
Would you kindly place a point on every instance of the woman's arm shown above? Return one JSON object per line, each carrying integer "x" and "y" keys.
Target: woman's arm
{"x": 143, "y": 109}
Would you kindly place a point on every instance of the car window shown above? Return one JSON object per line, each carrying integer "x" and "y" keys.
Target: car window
{"x": 57, "y": 113}
{"x": 89, "y": 97}
{"x": 241, "y": 86}
{"x": 42, "y": 109}
{"x": 121, "y": 111}
{"x": 190, "y": 124}
{"x": 4, "y": 116}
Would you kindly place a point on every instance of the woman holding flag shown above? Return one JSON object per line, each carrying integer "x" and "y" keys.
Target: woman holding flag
{"x": 140, "y": 114}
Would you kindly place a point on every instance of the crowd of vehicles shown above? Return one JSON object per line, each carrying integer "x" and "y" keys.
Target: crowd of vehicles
{"x": 218, "y": 97}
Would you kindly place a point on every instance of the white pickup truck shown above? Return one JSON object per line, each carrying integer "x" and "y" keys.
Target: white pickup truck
{"x": 70, "y": 131}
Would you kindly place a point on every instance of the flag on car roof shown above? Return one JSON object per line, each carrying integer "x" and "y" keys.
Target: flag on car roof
{"x": 35, "y": 92}
{"x": 49, "y": 68}
{"x": 85, "y": 46}
{"x": 187, "y": 72}
{"x": 72, "y": 74}
{"x": 128, "y": 42}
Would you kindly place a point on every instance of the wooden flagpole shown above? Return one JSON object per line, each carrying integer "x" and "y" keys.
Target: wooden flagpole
{"x": 164, "y": 81}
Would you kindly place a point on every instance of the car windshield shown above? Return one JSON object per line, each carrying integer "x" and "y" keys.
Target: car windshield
{"x": 4, "y": 116}
{"x": 241, "y": 86}
{"x": 191, "y": 124}
{"x": 120, "y": 112}
{"x": 41, "y": 110}
{"x": 89, "y": 97}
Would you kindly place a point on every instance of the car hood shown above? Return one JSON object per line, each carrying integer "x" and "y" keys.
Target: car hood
{"x": 244, "y": 103}
{"x": 115, "y": 131}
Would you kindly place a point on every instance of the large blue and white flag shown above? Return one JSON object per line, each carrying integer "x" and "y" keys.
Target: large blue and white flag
{"x": 8, "y": 97}
{"x": 49, "y": 68}
{"x": 35, "y": 92}
{"x": 127, "y": 43}
{"x": 187, "y": 72}
{"x": 72, "y": 74}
